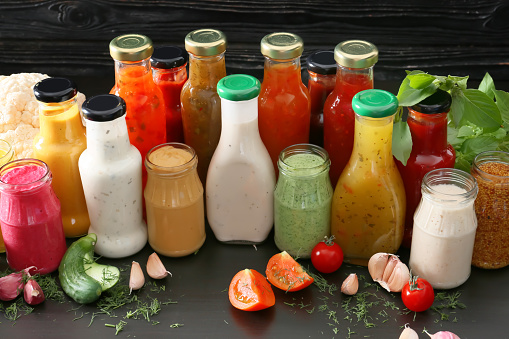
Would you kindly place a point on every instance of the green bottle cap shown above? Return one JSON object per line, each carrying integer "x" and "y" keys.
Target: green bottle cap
{"x": 375, "y": 103}
{"x": 238, "y": 87}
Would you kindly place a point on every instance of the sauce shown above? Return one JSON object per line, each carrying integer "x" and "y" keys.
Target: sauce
{"x": 30, "y": 217}
{"x": 302, "y": 200}
{"x": 6, "y": 155}
{"x": 174, "y": 200}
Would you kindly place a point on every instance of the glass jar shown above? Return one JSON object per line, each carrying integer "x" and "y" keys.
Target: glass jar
{"x": 6, "y": 155}
{"x": 491, "y": 246}
{"x": 110, "y": 170}
{"x": 170, "y": 73}
{"x": 60, "y": 142}
{"x": 355, "y": 61}
{"x": 284, "y": 104}
{"x": 368, "y": 208}
{"x": 444, "y": 228}
{"x": 174, "y": 200}
{"x": 322, "y": 79}
{"x": 201, "y": 105}
{"x": 30, "y": 216}
{"x": 427, "y": 121}
{"x": 302, "y": 199}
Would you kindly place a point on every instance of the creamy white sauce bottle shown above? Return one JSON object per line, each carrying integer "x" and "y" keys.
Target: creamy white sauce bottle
{"x": 110, "y": 170}
{"x": 241, "y": 178}
{"x": 444, "y": 228}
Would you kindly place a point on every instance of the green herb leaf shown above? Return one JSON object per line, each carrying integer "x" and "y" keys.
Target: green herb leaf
{"x": 402, "y": 141}
{"x": 487, "y": 86}
{"x": 503, "y": 105}
{"x": 476, "y": 107}
{"x": 420, "y": 80}
{"x": 461, "y": 82}
{"x": 409, "y": 96}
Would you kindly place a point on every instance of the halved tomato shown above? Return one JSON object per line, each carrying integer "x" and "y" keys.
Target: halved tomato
{"x": 287, "y": 274}
{"x": 250, "y": 291}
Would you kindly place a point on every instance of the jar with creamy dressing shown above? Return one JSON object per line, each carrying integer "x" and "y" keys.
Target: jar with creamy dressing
{"x": 110, "y": 170}
{"x": 444, "y": 228}
{"x": 174, "y": 200}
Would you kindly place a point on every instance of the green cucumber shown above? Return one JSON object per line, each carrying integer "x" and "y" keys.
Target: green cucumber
{"x": 81, "y": 278}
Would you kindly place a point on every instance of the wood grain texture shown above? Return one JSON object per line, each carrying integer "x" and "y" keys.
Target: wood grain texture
{"x": 70, "y": 38}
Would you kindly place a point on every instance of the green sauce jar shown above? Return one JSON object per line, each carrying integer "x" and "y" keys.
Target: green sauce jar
{"x": 302, "y": 199}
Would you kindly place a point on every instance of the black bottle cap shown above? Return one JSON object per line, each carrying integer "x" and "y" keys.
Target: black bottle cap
{"x": 55, "y": 90}
{"x": 322, "y": 62}
{"x": 438, "y": 102}
{"x": 104, "y": 107}
{"x": 168, "y": 57}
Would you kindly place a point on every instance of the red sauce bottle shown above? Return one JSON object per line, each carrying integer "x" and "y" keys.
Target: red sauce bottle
{"x": 322, "y": 79}
{"x": 355, "y": 59}
{"x": 284, "y": 104}
{"x": 427, "y": 121}
{"x": 170, "y": 73}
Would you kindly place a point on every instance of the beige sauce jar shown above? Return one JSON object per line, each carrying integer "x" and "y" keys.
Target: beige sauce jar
{"x": 174, "y": 200}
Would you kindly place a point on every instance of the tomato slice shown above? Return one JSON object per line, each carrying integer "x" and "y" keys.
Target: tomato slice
{"x": 287, "y": 274}
{"x": 250, "y": 291}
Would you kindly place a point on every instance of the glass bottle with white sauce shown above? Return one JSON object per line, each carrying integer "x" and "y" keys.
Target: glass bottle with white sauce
{"x": 241, "y": 177}
{"x": 444, "y": 228}
{"x": 110, "y": 170}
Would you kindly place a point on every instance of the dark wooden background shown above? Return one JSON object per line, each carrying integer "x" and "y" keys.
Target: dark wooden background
{"x": 70, "y": 38}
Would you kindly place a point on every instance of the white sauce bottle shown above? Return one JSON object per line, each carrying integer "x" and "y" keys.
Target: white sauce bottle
{"x": 444, "y": 228}
{"x": 110, "y": 170}
{"x": 241, "y": 178}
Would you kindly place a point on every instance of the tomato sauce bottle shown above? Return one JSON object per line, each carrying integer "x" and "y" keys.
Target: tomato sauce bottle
{"x": 201, "y": 105}
{"x": 284, "y": 104}
{"x": 170, "y": 73}
{"x": 427, "y": 121}
{"x": 355, "y": 60}
{"x": 145, "y": 114}
{"x": 322, "y": 80}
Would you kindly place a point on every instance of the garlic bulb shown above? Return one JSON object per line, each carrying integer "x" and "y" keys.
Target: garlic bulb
{"x": 388, "y": 271}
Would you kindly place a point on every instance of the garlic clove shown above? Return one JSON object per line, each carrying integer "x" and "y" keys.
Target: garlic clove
{"x": 11, "y": 286}
{"x": 351, "y": 285}
{"x": 391, "y": 264}
{"x": 443, "y": 335}
{"x": 137, "y": 278}
{"x": 376, "y": 265}
{"x": 399, "y": 277}
{"x": 155, "y": 267}
{"x": 33, "y": 293}
{"x": 408, "y": 333}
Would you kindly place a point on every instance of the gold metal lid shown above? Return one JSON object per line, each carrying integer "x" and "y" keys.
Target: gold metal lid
{"x": 131, "y": 47}
{"x": 282, "y": 46}
{"x": 356, "y": 54}
{"x": 206, "y": 42}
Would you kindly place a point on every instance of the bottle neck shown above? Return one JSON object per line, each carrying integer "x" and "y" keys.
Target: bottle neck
{"x": 282, "y": 72}
{"x": 449, "y": 187}
{"x": 327, "y": 81}
{"x": 108, "y": 139}
{"x": 373, "y": 140}
{"x": 60, "y": 122}
{"x": 172, "y": 75}
{"x": 354, "y": 80}
{"x": 429, "y": 131}
{"x": 206, "y": 71}
{"x": 131, "y": 71}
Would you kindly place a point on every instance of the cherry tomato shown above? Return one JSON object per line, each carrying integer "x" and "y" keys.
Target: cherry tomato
{"x": 250, "y": 291}
{"x": 287, "y": 274}
{"x": 418, "y": 294}
{"x": 327, "y": 256}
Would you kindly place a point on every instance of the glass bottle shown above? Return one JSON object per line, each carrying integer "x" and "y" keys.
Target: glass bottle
{"x": 201, "y": 105}
{"x": 30, "y": 216}
{"x": 368, "y": 208}
{"x": 284, "y": 104}
{"x": 302, "y": 199}
{"x": 110, "y": 170}
{"x": 241, "y": 178}
{"x": 6, "y": 155}
{"x": 60, "y": 142}
{"x": 322, "y": 80}
{"x": 170, "y": 73}
{"x": 145, "y": 115}
{"x": 444, "y": 228}
{"x": 491, "y": 170}
{"x": 427, "y": 121}
{"x": 174, "y": 199}
{"x": 355, "y": 60}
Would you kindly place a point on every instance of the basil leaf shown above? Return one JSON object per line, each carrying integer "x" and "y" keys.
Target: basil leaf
{"x": 461, "y": 82}
{"x": 409, "y": 96}
{"x": 463, "y": 162}
{"x": 503, "y": 104}
{"x": 477, "y": 108}
{"x": 466, "y": 131}
{"x": 487, "y": 86}
{"x": 401, "y": 141}
{"x": 479, "y": 144}
{"x": 421, "y": 80}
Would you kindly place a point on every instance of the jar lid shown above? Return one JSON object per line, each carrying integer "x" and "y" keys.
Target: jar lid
{"x": 438, "y": 102}
{"x": 55, "y": 90}
{"x": 322, "y": 62}
{"x": 375, "y": 103}
{"x": 168, "y": 57}
{"x": 206, "y": 42}
{"x": 131, "y": 47}
{"x": 356, "y": 54}
{"x": 104, "y": 107}
{"x": 238, "y": 87}
{"x": 282, "y": 46}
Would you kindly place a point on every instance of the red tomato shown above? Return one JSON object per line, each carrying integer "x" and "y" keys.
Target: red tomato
{"x": 418, "y": 294}
{"x": 327, "y": 256}
{"x": 287, "y": 274}
{"x": 250, "y": 291}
